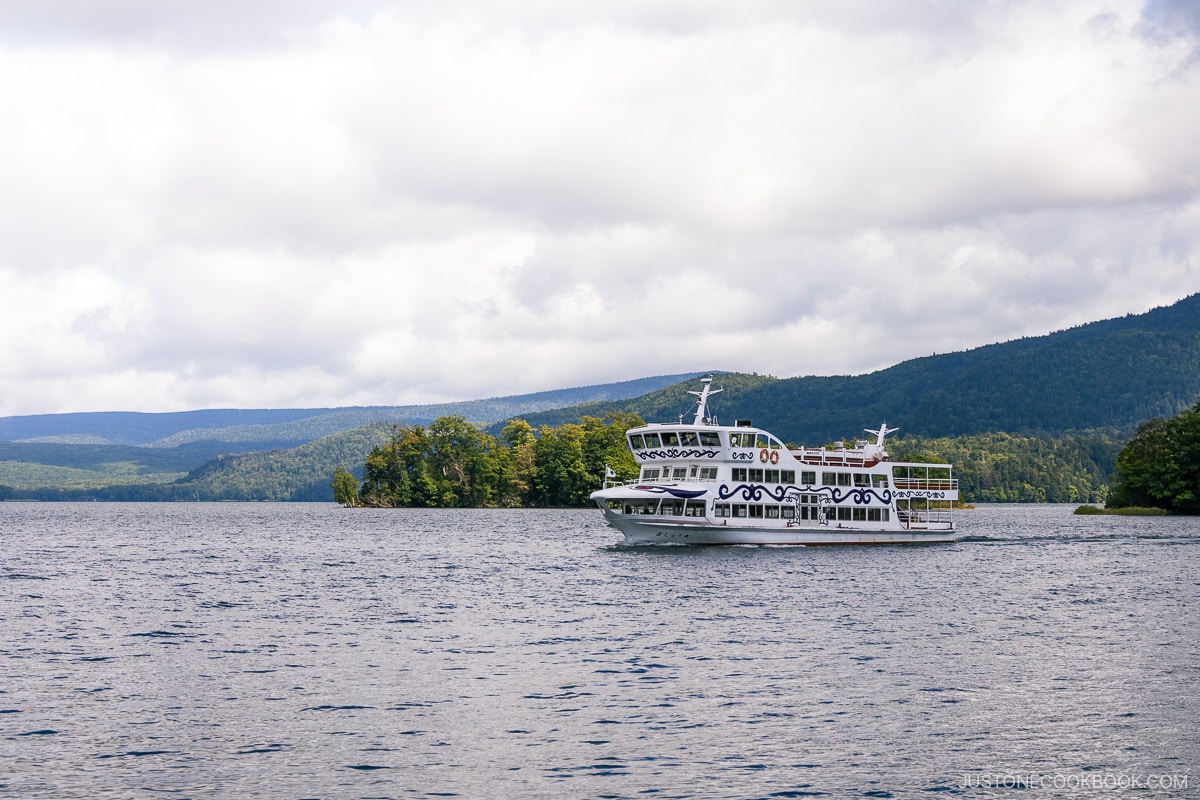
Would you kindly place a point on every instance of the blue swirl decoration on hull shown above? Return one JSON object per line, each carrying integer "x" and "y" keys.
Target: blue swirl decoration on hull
{"x": 753, "y": 491}
{"x": 676, "y": 453}
{"x": 862, "y": 496}
{"x": 683, "y": 494}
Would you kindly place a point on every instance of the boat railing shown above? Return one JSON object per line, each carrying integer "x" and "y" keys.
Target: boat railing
{"x": 926, "y": 484}
{"x": 834, "y": 458}
{"x": 927, "y": 518}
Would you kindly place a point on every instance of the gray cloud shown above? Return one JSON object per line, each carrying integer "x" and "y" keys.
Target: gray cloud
{"x": 319, "y": 204}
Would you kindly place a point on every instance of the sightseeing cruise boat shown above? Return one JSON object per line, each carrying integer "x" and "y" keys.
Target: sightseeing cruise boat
{"x": 705, "y": 483}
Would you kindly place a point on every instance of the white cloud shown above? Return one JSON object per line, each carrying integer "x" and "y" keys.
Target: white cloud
{"x": 267, "y": 203}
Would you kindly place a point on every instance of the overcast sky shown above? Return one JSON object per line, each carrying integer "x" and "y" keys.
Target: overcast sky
{"x": 269, "y": 203}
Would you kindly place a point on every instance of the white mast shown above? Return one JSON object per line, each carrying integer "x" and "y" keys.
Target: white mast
{"x": 702, "y": 403}
{"x": 878, "y": 451}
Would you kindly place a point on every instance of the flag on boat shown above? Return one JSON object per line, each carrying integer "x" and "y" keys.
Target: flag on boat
{"x": 608, "y": 472}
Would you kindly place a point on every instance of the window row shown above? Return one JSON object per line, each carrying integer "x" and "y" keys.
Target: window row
{"x": 695, "y": 473}
{"x": 649, "y": 441}
{"x": 841, "y": 513}
{"x": 758, "y": 440}
{"x": 859, "y": 479}
{"x": 744, "y": 474}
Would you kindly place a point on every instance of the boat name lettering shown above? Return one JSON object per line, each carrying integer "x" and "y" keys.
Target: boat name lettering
{"x": 672, "y": 535}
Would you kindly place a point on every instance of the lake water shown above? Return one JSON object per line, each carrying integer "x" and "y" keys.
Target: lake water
{"x": 301, "y": 650}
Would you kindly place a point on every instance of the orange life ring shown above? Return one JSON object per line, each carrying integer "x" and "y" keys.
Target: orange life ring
{"x": 763, "y": 455}
{"x": 774, "y": 456}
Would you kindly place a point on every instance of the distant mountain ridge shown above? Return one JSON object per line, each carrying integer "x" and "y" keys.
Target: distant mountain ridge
{"x": 282, "y": 426}
{"x": 1108, "y": 375}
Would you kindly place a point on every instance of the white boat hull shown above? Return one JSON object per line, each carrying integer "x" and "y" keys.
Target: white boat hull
{"x": 644, "y": 529}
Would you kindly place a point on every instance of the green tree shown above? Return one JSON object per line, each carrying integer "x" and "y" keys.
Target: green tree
{"x": 561, "y": 477}
{"x": 345, "y": 488}
{"x": 458, "y": 455}
{"x": 1160, "y": 466}
{"x": 519, "y": 466}
{"x": 397, "y": 473}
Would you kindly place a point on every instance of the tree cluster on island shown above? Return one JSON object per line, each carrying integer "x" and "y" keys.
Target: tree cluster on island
{"x": 453, "y": 464}
{"x": 1160, "y": 466}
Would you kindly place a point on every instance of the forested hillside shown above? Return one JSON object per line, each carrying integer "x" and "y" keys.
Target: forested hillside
{"x": 298, "y": 473}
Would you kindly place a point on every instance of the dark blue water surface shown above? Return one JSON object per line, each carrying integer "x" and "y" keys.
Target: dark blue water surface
{"x": 300, "y": 650}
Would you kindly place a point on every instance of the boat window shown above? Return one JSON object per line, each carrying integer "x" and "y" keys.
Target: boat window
{"x": 756, "y": 511}
{"x": 772, "y": 512}
{"x": 787, "y": 476}
{"x": 788, "y": 512}
{"x": 694, "y": 508}
{"x": 756, "y": 475}
{"x": 652, "y": 440}
{"x": 741, "y": 440}
{"x": 710, "y": 439}
{"x": 879, "y": 481}
{"x": 693, "y": 471}
{"x": 635, "y": 441}
{"x": 720, "y": 509}
{"x": 669, "y": 439}
{"x": 808, "y": 478}
{"x": 843, "y": 479}
{"x": 829, "y": 479}
{"x": 843, "y": 514}
{"x": 650, "y": 473}
{"x": 862, "y": 479}
{"x": 739, "y": 509}
{"x": 762, "y": 440}
{"x": 860, "y": 514}
{"x": 738, "y": 474}
{"x": 708, "y": 473}
{"x": 680, "y": 473}
{"x": 688, "y": 439}
{"x": 772, "y": 476}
